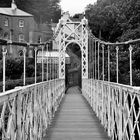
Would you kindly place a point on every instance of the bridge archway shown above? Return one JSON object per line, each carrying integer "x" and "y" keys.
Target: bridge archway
{"x": 70, "y": 31}
{"x": 73, "y": 68}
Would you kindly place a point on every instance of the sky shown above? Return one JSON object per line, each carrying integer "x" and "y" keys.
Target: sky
{"x": 75, "y": 6}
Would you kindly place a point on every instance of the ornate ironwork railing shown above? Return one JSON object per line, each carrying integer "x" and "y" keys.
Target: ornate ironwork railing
{"x": 117, "y": 106}
{"x": 26, "y": 112}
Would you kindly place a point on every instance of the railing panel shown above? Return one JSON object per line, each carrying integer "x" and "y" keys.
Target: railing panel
{"x": 26, "y": 113}
{"x": 117, "y": 106}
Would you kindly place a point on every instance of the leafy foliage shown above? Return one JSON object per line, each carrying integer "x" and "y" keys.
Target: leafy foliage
{"x": 115, "y": 20}
{"x": 118, "y": 20}
{"x": 14, "y": 68}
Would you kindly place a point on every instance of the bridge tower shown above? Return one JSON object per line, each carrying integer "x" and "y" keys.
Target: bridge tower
{"x": 72, "y": 31}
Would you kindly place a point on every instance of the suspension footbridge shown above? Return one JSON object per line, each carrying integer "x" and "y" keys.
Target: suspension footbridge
{"x": 102, "y": 109}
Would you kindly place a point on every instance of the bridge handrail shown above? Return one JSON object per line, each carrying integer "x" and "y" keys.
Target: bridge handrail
{"x": 26, "y": 112}
{"x": 128, "y": 87}
{"x": 116, "y": 105}
{"x": 19, "y": 88}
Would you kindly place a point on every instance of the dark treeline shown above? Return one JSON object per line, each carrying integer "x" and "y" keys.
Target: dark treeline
{"x": 118, "y": 20}
{"x": 115, "y": 20}
{"x": 43, "y": 10}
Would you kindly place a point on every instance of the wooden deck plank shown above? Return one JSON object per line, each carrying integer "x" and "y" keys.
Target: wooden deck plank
{"x": 75, "y": 120}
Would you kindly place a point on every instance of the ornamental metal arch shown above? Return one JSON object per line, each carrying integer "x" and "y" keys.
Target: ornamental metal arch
{"x": 69, "y": 31}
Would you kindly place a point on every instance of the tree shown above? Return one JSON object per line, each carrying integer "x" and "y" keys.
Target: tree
{"x": 118, "y": 20}
{"x": 14, "y": 68}
{"x": 102, "y": 19}
{"x": 114, "y": 19}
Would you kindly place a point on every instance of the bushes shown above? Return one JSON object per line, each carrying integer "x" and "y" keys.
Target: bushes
{"x": 14, "y": 72}
{"x": 11, "y": 84}
{"x": 14, "y": 68}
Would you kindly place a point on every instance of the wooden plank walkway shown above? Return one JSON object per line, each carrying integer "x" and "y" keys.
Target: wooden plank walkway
{"x": 75, "y": 120}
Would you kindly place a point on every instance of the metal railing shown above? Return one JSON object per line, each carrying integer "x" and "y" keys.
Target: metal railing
{"x": 116, "y": 103}
{"x": 117, "y": 106}
{"x": 27, "y": 110}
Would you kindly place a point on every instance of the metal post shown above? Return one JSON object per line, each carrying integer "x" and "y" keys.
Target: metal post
{"x": 95, "y": 82}
{"x": 35, "y": 65}
{"x": 50, "y": 66}
{"x": 91, "y": 57}
{"x": 57, "y": 67}
{"x": 98, "y": 60}
{"x": 97, "y": 104}
{"x": 24, "y": 72}
{"x": 95, "y": 59}
{"x": 108, "y": 63}
{"x": 117, "y": 62}
{"x": 57, "y": 64}
{"x": 130, "y": 53}
{"x": 91, "y": 80}
{"x": 47, "y": 63}
{"x": 54, "y": 68}
{"x": 109, "y": 121}
{"x": 42, "y": 47}
{"x": 90, "y": 46}
{"x": 103, "y": 60}
{"x": 103, "y": 84}
{"x": 89, "y": 60}
{"x": 4, "y": 51}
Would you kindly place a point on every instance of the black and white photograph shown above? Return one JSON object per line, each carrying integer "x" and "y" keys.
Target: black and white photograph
{"x": 69, "y": 69}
